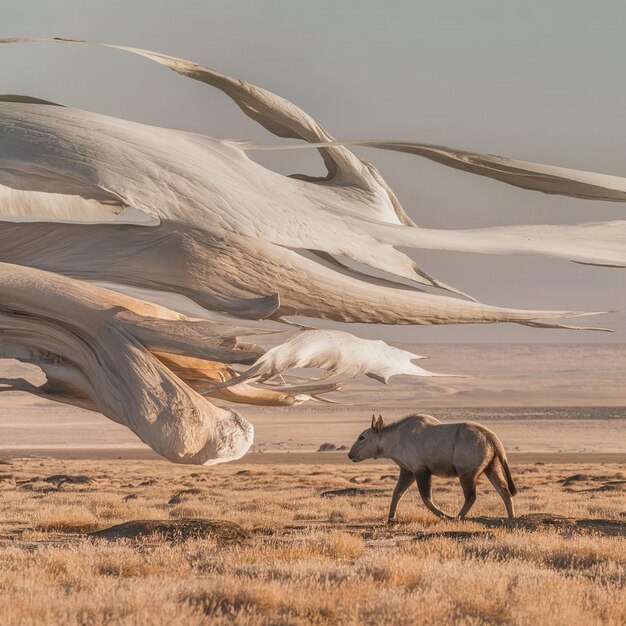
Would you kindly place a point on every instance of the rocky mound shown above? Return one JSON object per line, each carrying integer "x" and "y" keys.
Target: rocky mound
{"x": 174, "y": 530}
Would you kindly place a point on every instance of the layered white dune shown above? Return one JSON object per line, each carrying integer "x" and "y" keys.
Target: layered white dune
{"x": 165, "y": 213}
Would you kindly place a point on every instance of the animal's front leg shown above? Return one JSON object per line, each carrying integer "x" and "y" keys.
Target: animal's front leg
{"x": 423, "y": 479}
{"x": 404, "y": 482}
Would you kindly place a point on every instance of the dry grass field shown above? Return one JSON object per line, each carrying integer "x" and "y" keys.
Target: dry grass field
{"x": 305, "y": 558}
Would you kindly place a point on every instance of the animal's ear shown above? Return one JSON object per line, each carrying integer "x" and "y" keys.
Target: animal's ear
{"x": 373, "y": 421}
{"x": 378, "y": 427}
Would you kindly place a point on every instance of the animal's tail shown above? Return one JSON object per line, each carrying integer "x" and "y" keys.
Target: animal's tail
{"x": 507, "y": 470}
{"x": 509, "y": 478}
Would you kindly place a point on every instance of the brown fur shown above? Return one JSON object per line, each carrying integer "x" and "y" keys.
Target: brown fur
{"x": 422, "y": 446}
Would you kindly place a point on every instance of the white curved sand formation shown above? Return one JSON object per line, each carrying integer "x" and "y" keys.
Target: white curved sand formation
{"x": 92, "y": 347}
{"x": 337, "y": 352}
{"x": 85, "y": 197}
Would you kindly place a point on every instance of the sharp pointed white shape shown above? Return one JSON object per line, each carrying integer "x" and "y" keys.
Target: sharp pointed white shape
{"x": 597, "y": 243}
{"x": 47, "y": 206}
{"x": 549, "y": 179}
{"x": 188, "y": 307}
{"x": 201, "y": 375}
{"x": 339, "y": 353}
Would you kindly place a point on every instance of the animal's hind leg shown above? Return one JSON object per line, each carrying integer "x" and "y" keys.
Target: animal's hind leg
{"x": 424, "y": 484}
{"x": 495, "y": 474}
{"x": 468, "y": 484}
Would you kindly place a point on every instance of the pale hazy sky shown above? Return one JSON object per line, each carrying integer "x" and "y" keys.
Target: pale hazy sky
{"x": 538, "y": 80}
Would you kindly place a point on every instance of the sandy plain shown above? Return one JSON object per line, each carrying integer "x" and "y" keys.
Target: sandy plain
{"x": 538, "y": 398}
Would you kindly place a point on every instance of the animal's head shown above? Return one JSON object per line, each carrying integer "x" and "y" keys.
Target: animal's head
{"x": 368, "y": 444}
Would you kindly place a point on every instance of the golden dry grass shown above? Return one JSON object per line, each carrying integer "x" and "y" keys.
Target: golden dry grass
{"x": 309, "y": 559}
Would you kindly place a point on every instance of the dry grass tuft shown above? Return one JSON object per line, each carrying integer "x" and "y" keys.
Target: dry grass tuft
{"x": 340, "y": 545}
{"x": 229, "y": 599}
{"x": 66, "y": 519}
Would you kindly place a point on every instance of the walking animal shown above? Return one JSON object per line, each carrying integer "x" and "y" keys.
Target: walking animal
{"x": 422, "y": 446}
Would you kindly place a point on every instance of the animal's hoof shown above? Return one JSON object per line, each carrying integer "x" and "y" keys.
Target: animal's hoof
{"x": 392, "y": 521}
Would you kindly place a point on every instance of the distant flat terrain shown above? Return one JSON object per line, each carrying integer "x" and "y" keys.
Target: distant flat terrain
{"x": 540, "y": 399}
{"x": 290, "y": 458}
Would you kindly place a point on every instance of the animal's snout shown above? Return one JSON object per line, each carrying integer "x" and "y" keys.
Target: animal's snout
{"x": 352, "y": 456}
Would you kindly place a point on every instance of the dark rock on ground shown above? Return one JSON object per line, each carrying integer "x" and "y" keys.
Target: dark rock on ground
{"x": 179, "y": 496}
{"x": 264, "y": 530}
{"x": 327, "y": 447}
{"x": 611, "y": 485}
{"x": 174, "y": 530}
{"x": 451, "y": 534}
{"x": 359, "y": 480}
{"x": 349, "y": 491}
{"x": 60, "y": 479}
{"x": 575, "y": 479}
{"x": 536, "y": 521}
